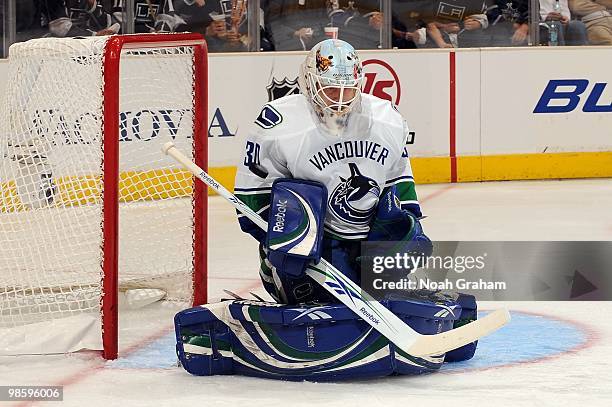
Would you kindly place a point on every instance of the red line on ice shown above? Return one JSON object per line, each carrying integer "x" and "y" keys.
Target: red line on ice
{"x": 437, "y": 193}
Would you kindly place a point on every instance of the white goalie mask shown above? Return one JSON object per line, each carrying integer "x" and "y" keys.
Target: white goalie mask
{"x": 331, "y": 78}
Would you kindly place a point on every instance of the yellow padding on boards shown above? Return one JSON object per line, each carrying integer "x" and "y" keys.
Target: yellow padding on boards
{"x": 547, "y": 166}
{"x": 514, "y": 167}
{"x": 534, "y": 166}
{"x": 469, "y": 168}
{"x": 83, "y": 190}
{"x": 431, "y": 170}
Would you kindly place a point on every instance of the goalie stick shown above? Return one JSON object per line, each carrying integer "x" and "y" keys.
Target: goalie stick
{"x": 357, "y": 299}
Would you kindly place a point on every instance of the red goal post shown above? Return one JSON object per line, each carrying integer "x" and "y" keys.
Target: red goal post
{"x": 112, "y": 58}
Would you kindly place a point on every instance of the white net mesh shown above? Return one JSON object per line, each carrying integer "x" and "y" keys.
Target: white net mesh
{"x": 51, "y": 157}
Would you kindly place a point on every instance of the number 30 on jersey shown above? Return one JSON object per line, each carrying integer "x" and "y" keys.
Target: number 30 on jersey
{"x": 252, "y": 154}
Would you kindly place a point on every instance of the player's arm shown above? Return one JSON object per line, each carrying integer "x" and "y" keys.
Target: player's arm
{"x": 259, "y": 166}
{"x": 401, "y": 177}
{"x": 398, "y": 212}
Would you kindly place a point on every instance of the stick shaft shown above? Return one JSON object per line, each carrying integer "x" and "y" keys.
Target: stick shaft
{"x": 213, "y": 184}
{"x": 323, "y": 273}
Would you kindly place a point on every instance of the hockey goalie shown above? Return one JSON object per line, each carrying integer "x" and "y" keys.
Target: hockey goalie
{"x": 329, "y": 169}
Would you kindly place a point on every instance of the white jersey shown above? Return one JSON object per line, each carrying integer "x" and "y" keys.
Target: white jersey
{"x": 355, "y": 167}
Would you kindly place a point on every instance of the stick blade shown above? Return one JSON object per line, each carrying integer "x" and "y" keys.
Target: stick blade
{"x": 429, "y": 345}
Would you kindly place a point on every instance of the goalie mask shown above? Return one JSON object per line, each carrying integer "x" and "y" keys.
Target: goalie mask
{"x": 331, "y": 78}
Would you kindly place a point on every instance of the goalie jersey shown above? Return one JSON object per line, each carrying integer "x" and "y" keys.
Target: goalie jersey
{"x": 356, "y": 167}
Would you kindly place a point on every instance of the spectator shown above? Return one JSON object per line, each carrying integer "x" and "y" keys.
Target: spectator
{"x": 228, "y": 29}
{"x": 42, "y": 18}
{"x": 296, "y": 24}
{"x": 441, "y": 21}
{"x": 464, "y": 26}
{"x": 93, "y": 16}
{"x": 185, "y": 15}
{"x": 33, "y": 18}
{"x": 508, "y": 23}
{"x": 359, "y": 22}
{"x": 573, "y": 32}
{"x": 597, "y": 17}
{"x": 266, "y": 40}
{"x": 156, "y": 15}
{"x": 299, "y": 24}
{"x": 145, "y": 15}
{"x": 408, "y": 22}
{"x": 405, "y": 34}
{"x": 223, "y": 23}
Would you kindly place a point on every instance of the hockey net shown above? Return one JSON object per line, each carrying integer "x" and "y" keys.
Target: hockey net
{"x": 89, "y": 205}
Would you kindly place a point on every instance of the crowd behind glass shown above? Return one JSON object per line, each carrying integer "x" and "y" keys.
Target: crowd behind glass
{"x": 284, "y": 25}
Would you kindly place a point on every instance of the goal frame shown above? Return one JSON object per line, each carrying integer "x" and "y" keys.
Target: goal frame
{"x": 110, "y": 128}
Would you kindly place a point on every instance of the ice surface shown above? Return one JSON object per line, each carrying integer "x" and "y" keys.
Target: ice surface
{"x": 553, "y": 353}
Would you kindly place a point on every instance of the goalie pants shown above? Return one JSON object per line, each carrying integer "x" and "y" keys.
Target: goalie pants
{"x": 290, "y": 290}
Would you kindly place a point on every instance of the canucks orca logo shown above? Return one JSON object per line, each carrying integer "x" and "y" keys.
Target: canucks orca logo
{"x": 354, "y": 199}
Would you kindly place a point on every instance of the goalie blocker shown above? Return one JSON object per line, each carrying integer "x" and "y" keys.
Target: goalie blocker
{"x": 317, "y": 343}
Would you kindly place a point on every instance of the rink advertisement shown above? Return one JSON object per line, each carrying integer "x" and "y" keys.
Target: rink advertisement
{"x": 474, "y": 114}
{"x": 508, "y": 271}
